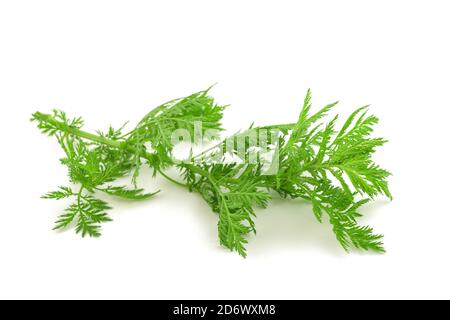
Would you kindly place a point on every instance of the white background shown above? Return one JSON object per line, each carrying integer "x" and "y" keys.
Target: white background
{"x": 111, "y": 61}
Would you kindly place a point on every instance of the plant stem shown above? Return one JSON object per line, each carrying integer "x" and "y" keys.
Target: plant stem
{"x": 121, "y": 145}
{"x": 98, "y": 139}
{"x": 77, "y": 132}
{"x": 171, "y": 179}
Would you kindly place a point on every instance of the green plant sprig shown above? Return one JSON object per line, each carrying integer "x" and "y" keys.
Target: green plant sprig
{"x": 330, "y": 168}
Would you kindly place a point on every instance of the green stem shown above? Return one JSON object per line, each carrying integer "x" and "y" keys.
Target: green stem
{"x": 171, "y": 179}
{"x": 98, "y": 139}
{"x": 79, "y": 197}
{"x": 121, "y": 145}
{"x": 80, "y": 192}
{"x": 77, "y": 132}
